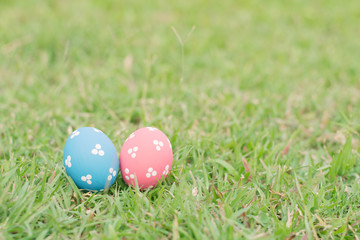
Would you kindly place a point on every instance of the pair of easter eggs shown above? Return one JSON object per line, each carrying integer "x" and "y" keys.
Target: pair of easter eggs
{"x": 91, "y": 159}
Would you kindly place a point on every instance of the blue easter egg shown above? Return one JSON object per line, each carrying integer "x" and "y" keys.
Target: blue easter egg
{"x": 90, "y": 159}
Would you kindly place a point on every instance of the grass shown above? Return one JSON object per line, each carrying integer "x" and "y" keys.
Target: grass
{"x": 257, "y": 97}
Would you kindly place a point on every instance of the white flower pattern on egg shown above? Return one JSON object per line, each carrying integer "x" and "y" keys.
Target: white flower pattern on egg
{"x": 112, "y": 173}
{"x": 68, "y": 161}
{"x": 151, "y": 172}
{"x": 98, "y": 151}
{"x": 166, "y": 171}
{"x": 158, "y": 144}
{"x": 96, "y": 130}
{"x": 127, "y": 176}
{"x": 87, "y": 179}
{"x": 132, "y": 151}
{"x": 130, "y": 137}
{"x": 169, "y": 143}
{"x": 74, "y": 134}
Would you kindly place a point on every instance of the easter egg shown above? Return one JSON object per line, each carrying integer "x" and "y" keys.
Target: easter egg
{"x": 90, "y": 159}
{"x": 146, "y": 156}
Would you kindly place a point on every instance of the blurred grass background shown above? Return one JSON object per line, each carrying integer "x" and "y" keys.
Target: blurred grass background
{"x": 256, "y": 97}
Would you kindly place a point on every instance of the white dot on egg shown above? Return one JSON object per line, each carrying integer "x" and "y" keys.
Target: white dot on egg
{"x": 101, "y": 153}
{"x": 158, "y": 148}
{"x": 150, "y": 169}
{"x": 109, "y": 177}
{"x": 114, "y": 173}
{"x": 83, "y": 178}
{"x": 89, "y": 182}
{"x": 167, "y": 167}
{"x": 154, "y": 173}
{"x": 88, "y": 176}
{"x": 111, "y": 170}
{"x": 69, "y": 164}
{"x": 135, "y": 149}
{"x": 126, "y": 170}
{"x": 156, "y": 142}
{"x": 132, "y": 176}
{"x": 133, "y": 155}
{"x": 98, "y": 146}
{"x": 169, "y": 143}
{"x": 127, "y": 177}
{"x": 129, "y": 151}
{"x": 148, "y": 175}
{"x": 161, "y": 144}
{"x": 94, "y": 151}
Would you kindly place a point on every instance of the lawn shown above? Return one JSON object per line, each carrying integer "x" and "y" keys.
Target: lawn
{"x": 260, "y": 100}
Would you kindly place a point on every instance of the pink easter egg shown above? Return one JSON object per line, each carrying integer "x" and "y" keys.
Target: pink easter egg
{"x": 146, "y": 156}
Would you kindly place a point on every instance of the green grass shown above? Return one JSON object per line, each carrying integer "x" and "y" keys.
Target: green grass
{"x": 258, "y": 104}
